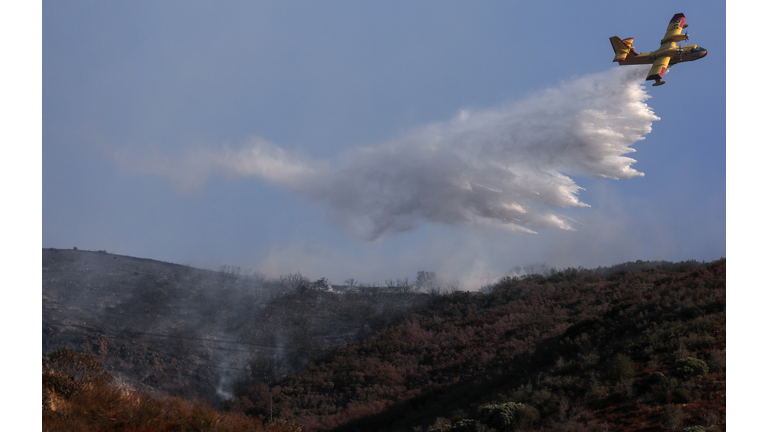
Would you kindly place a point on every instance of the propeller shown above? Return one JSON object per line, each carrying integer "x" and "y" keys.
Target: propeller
{"x": 686, "y": 35}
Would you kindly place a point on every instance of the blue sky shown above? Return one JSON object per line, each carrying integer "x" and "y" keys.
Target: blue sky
{"x": 124, "y": 82}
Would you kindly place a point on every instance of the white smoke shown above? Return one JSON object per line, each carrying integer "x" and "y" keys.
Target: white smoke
{"x": 506, "y": 167}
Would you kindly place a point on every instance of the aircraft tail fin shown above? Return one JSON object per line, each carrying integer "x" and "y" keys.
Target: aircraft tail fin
{"x": 622, "y": 48}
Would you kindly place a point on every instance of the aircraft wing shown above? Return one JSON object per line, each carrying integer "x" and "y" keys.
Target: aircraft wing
{"x": 658, "y": 68}
{"x": 675, "y": 27}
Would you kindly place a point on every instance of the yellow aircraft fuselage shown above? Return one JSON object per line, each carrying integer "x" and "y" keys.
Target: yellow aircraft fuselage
{"x": 668, "y": 54}
{"x": 676, "y": 54}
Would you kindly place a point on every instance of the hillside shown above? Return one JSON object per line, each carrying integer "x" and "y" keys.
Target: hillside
{"x": 637, "y": 350}
{"x": 636, "y": 347}
{"x": 78, "y": 395}
{"x": 169, "y": 329}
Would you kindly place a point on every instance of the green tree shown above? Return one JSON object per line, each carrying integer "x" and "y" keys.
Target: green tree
{"x": 690, "y": 367}
{"x": 508, "y": 416}
{"x": 464, "y": 425}
{"x": 619, "y": 368}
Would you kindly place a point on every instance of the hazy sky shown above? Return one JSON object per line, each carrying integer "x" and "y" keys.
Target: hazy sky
{"x": 375, "y": 139}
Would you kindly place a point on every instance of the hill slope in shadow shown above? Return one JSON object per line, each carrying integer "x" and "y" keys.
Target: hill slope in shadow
{"x": 176, "y": 330}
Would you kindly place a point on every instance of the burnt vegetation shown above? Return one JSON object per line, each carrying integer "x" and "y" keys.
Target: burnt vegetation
{"x": 169, "y": 329}
{"x": 78, "y": 395}
{"x": 640, "y": 346}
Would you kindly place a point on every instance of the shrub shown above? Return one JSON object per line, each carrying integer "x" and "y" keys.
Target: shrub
{"x": 619, "y": 368}
{"x": 690, "y": 367}
{"x": 508, "y": 416}
{"x": 465, "y": 425}
{"x": 657, "y": 384}
{"x": 67, "y": 372}
{"x": 441, "y": 424}
{"x": 695, "y": 429}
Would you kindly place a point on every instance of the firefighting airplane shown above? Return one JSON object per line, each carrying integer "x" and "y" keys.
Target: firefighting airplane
{"x": 667, "y": 55}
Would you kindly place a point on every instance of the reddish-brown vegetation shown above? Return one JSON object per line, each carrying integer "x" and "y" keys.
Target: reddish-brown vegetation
{"x": 77, "y": 402}
{"x": 550, "y": 343}
{"x": 641, "y": 349}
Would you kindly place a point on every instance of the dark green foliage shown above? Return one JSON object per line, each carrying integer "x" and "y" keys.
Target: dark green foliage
{"x": 656, "y": 385}
{"x": 695, "y": 429}
{"x": 508, "y": 416}
{"x": 464, "y": 425}
{"x": 690, "y": 367}
{"x": 658, "y": 378}
{"x": 501, "y": 416}
{"x": 619, "y": 368}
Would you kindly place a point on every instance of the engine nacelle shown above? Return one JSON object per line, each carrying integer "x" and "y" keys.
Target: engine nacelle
{"x": 676, "y": 38}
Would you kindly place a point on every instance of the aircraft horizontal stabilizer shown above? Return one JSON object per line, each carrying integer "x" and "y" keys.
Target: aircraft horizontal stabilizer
{"x": 622, "y": 48}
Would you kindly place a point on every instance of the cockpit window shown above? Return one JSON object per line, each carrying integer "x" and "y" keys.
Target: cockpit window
{"x": 698, "y": 49}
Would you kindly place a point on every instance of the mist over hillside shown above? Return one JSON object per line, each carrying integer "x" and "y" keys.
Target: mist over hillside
{"x": 178, "y": 330}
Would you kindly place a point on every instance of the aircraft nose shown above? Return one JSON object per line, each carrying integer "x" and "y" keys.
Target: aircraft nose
{"x": 704, "y": 54}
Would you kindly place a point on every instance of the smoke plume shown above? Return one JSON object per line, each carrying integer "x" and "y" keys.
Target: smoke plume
{"x": 508, "y": 167}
